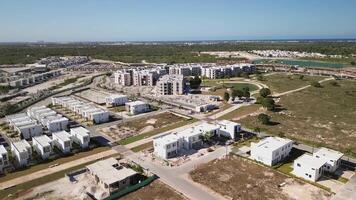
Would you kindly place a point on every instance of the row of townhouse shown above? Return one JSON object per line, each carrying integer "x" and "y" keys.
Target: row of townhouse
{"x": 43, "y": 145}
{"x": 34, "y": 79}
{"x": 4, "y": 158}
{"x": 88, "y": 111}
{"x": 137, "y": 107}
{"x": 49, "y": 118}
{"x": 139, "y": 77}
{"x": 215, "y": 72}
{"x": 171, "y": 144}
{"x": 24, "y": 125}
{"x": 273, "y": 150}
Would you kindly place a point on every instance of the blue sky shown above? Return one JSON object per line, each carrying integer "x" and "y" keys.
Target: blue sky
{"x": 118, "y": 20}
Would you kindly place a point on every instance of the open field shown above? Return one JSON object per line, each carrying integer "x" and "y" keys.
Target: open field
{"x": 148, "y": 145}
{"x": 142, "y": 125}
{"x": 245, "y": 110}
{"x": 221, "y": 88}
{"x": 283, "y": 82}
{"x": 239, "y": 178}
{"x": 47, "y": 164}
{"x": 317, "y": 116}
{"x": 156, "y": 131}
{"x": 154, "y": 191}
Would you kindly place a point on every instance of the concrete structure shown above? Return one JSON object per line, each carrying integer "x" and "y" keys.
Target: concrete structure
{"x": 111, "y": 175}
{"x": 80, "y": 136}
{"x": 116, "y": 100}
{"x": 62, "y": 140}
{"x": 4, "y": 158}
{"x": 171, "y": 85}
{"x": 171, "y": 144}
{"x": 21, "y": 152}
{"x": 331, "y": 158}
{"x": 24, "y": 125}
{"x": 88, "y": 111}
{"x": 139, "y": 76}
{"x": 136, "y": 107}
{"x": 42, "y": 145}
{"x": 48, "y": 118}
{"x": 228, "y": 128}
{"x": 308, "y": 167}
{"x": 271, "y": 150}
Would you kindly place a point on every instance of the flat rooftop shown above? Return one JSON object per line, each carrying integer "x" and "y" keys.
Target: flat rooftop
{"x": 62, "y": 135}
{"x": 21, "y": 146}
{"x": 227, "y": 122}
{"x": 43, "y": 140}
{"x": 81, "y": 131}
{"x": 109, "y": 171}
{"x": 310, "y": 161}
{"x": 272, "y": 143}
{"x": 135, "y": 103}
{"x": 328, "y": 153}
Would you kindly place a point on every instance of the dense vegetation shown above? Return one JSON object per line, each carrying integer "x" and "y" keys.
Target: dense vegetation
{"x": 168, "y": 53}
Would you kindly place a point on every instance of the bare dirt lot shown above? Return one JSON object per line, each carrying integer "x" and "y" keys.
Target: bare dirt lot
{"x": 154, "y": 191}
{"x": 239, "y": 178}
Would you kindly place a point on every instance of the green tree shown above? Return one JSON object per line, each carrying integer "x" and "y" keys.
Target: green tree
{"x": 226, "y": 96}
{"x": 301, "y": 77}
{"x": 236, "y": 93}
{"x": 195, "y": 82}
{"x": 264, "y": 119}
{"x": 334, "y": 83}
{"x": 245, "y": 75}
{"x": 259, "y": 77}
{"x": 268, "y": 103}
{"x": 206, "y": 137}
{"x": 264, "y": 92}
{"x": 246, "y": 92}
{"x": 353, "y": 63}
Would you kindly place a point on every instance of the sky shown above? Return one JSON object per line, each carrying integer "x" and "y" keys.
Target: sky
{"x": 165, "y": 20}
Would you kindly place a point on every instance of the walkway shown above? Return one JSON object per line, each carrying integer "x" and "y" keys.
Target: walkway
{"x": 347, "y": 191}
{"x": 48, "y": 171}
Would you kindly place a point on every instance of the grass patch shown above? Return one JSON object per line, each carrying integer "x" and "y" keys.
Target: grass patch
{"x": 155, "y": 132}
{"x": 117, "y": 109}
{"x": 240, "y": 86}
{"x": 46, "y": 164}
{"x": 142, "y": 147}
{"x": 283, "y": 82}
{"x": 241, "y": 112}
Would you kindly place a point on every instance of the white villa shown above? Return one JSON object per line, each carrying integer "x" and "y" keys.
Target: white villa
{"x": 308, "y": 167}
{"x": 137, "y": 107}
{"x": 271, "y": 150}
{"x": 331, "y": 157}
{"x": 22, "y": 152}
{"x": 42, "y": 145}
{"x": 116, "y": 100}
{"x": 80, "y": 136}
{"x": 62, "y": 140}
{"x": 228, "y": 128}
{"x": 169, "y": 145}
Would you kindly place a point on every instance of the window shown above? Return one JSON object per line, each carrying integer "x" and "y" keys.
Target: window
{"x": 309, "y": 176}
{"x": 313, "y": 169}
{"x": 298, "y": 165}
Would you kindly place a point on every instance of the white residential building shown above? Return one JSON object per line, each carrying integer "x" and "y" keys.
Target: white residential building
{"x": 22, "y": 152}
{"x": 42, "y": 145}
{"x": 308, "y": 167}
{"x": 4, "y": 158}
{"x": 331, "y": 158}
{"x": 171, "y": 85}
{"x": 62, "y": 140}
{"x": 136, "y": 107}
{"x": 24, "y": 125}
{"x": 228, "y": 128}
{"x": 169, "y": 145}
{"x": 271, "y": 150}
{"x": 80, "y": 136}
{"x": 116, "y": 100}
{"x": 56, "y": 123}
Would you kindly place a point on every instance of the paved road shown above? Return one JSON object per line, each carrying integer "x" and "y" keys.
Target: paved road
{"x": 48, "y": 171}
{"x": 347, "y": 191}
{"x": 177, "y": 177}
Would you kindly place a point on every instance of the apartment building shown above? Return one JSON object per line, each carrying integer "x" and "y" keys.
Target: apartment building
{"x": 49, "y": 118}
{"x": 4, "y": 158}
{"x": 24, "y": 125}
{"x": 62, "y": 140}
{"x": 139, "y": 76}
{"x": 80, "y": 136}
{"x": 21, "y": 152}
{"x": 171, "y": 85}
{"x": 171, "y": 144}
{"x": 116, "y": 100}
{"x": 137, "y": 107}
{"x": 42, "y": 145}
{"x": 271, "y": 150}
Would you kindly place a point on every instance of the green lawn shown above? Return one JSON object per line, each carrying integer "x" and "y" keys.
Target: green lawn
{"x": 46, "y": 165}
{"x": 142, "y": 147}
{"x": 283, "y": 82}
{"x": 240, "y": 86}
{"x": 316, "y": 116}
{"x": 155, "y": 132}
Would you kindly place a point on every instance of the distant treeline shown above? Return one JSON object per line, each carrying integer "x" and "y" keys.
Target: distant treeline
{"x": 167, "y": 53}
